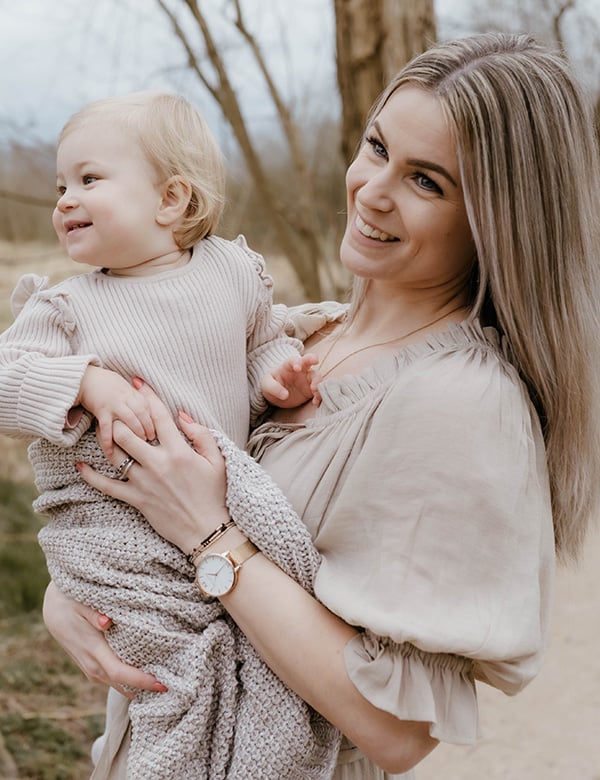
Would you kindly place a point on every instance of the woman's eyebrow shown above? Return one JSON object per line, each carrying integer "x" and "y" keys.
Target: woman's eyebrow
{"x": 430, "y": 166}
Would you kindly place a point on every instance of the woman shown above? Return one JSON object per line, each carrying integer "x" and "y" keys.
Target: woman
{"x": 457, "y": 438}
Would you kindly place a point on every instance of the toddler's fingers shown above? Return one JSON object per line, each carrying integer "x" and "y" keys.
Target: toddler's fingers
{"x": 273, "y": 388}
{"x": 104, "y": 435}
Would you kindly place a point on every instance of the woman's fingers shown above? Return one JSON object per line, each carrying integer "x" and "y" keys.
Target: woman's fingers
{"x": 165, "y": 428}
{"x": 109, "y": 485}
{"x": 80, "y": 631}
{"x": 201, "y": 438}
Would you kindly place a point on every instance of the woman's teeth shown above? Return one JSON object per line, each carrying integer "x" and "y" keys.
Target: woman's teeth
{"x": 371, "y": 232}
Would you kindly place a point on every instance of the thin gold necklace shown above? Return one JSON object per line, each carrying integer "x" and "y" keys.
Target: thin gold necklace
{"x": 378, "y": 343}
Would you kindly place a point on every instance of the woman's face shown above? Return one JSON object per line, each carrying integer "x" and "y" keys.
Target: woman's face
{"x": 407, "y": 223}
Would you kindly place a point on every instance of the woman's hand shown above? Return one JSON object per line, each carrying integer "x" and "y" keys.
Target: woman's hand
{"x": 180, "y": 490}
{"x": 80, "y": 631}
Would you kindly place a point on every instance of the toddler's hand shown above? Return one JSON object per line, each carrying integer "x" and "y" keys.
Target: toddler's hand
{"x": 290, "y": 384}
{"x": 109, "y": 397}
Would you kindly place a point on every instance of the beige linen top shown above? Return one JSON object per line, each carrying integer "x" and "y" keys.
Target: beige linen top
{"x": 423, "y": 482}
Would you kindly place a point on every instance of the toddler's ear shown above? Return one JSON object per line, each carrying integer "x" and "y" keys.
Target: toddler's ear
{"x": 176, "y": 194}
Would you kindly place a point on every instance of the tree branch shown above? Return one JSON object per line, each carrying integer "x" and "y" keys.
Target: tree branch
{"x": 192, "y": 60}
{"x": 285, "y": 117}
{"x": 556, "y": 23}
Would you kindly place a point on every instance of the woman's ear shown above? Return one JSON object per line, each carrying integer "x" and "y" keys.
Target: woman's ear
{"x": 176, "y": 194}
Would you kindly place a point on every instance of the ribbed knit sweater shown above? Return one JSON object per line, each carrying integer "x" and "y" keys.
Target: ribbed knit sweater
{"x": 202, "y": 335}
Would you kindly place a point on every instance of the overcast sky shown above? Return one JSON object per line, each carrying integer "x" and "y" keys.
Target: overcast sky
{"x": 56, "y": 56}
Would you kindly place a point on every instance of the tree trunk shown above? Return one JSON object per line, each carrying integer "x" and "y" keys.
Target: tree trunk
{"x": 374, "y": 39}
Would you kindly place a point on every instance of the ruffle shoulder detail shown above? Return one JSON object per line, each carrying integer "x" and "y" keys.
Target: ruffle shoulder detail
{"x": 27, "y": 286}
{"x": 257, "y": 260}
{"x": 308, "y": 318}
{"x": 32, "y": 287}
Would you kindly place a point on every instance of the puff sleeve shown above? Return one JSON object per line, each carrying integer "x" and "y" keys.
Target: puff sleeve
{"x": 449, "y": 565}
{"x": 40, "y": 372}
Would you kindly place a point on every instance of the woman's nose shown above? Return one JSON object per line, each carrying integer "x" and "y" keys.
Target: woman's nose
{"x": 376, "y": 192}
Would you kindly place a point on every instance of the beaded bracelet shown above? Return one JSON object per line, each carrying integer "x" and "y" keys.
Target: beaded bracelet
{"x": 205, "y": 543}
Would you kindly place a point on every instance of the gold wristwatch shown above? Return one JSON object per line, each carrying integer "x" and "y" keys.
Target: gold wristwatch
{"x": 217, "y": 573}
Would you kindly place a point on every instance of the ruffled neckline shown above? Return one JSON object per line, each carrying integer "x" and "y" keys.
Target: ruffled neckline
{"x": 343, "y": 391}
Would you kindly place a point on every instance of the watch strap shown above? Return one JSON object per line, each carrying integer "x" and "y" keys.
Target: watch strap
{"x": 241, "y": 553}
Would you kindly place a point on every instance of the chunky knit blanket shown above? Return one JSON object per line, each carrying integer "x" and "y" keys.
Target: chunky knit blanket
{"x": 226, "y": 715}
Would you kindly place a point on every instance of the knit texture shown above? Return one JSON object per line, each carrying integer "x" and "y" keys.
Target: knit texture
{"x": 226, "y": 715}
{"x": 202, "y": 335}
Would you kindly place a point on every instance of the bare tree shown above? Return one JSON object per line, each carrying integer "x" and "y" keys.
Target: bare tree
{"x": 296, "y": 226}
{"x": 374, "y": 38}
{"x": 571, "y": 25}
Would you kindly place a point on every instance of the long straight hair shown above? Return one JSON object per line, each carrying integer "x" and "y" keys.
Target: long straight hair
{"x": 529, "y": 166}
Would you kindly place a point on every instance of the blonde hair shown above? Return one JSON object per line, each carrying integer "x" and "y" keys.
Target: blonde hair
{"x": 177, "y": 142}
{"x": 529, "y": 167}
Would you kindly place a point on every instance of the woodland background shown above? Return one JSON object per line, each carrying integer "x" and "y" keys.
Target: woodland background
{"x": 241, "y": 62}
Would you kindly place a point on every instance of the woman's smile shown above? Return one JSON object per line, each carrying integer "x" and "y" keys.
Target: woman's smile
{"x": 372, "y": 232}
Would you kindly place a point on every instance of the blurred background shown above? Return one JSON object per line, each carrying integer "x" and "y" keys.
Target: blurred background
{"x": 285, "y": 86}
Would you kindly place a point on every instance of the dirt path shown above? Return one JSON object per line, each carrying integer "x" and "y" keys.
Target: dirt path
{"x": 551, "y": 731}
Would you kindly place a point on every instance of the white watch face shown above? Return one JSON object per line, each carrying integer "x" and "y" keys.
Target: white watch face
{"x": 215, "y": 575}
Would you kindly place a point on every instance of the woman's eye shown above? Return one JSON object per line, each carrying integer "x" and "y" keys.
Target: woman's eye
{"x": 377, "y": 146}
{"x": 426, "y": 183}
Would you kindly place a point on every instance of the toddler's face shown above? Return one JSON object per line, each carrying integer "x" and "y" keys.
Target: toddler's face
{"x": 108, "y": 198}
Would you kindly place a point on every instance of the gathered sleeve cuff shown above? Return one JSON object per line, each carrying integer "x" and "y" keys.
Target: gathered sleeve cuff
{"x": 414, "y": 685}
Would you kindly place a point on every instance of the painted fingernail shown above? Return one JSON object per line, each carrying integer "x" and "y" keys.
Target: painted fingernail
{"x": 137, "y": 382}
{"x": 79, "y": 466}
{"x": 159, "y": 687}
{"x": 185, "y": 417}
{"x": 103, "y": 621}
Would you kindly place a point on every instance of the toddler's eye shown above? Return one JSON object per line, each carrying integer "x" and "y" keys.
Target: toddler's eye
{"x": 89, "y": 179}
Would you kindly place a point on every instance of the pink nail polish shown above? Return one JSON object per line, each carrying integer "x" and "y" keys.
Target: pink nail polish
{"x": 79, "y": 466}
{"x": 137, "y": 382}
{"x": 160, "y": 687}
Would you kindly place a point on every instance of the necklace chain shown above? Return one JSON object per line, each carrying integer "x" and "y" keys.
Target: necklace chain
{"x": 378, "y": 343}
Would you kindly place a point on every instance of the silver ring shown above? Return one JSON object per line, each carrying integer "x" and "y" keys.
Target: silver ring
{"x": 123, "y": 469}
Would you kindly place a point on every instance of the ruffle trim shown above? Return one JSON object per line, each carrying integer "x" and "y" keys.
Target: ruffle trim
{"x": 341, "y": 392}
{"x": 257, "y": 260}
{"x": 309, "y": 318}
{"x": 31, "y": 285}
{"x": 412, "y": 684}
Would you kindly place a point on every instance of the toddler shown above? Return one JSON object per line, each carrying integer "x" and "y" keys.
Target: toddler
{"x": 140, "y": 191}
